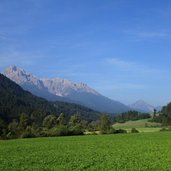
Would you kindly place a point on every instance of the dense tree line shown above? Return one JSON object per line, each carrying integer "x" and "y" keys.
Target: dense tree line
{"x": 164, "y": 116}
{"x": 51, "y": 125}
{"x": 130, "y": 115}
{"x": 27, "y": 127}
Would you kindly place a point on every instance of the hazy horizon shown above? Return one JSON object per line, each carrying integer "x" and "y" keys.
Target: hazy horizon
{"x": 119, "y": 48}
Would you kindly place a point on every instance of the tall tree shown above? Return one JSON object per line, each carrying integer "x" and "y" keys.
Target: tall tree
{"x": 24, "y": 121}
{"x": 61, "y": 119}
{"x": 50, "y": 121}
{"x": 105, "y": 124}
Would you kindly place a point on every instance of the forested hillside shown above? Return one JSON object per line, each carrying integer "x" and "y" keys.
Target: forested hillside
{"x": 25, "y": 115}
{"x": 14, "y": 101}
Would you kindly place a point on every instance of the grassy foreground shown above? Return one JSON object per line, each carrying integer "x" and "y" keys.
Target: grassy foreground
{"x": 124, "y": 152}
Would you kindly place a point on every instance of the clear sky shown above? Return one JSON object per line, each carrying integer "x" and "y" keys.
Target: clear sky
{"x": 122, "y": 48}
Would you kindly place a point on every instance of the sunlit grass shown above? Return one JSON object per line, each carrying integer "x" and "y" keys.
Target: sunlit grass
{"x": 143, "y": 125}
{"x": 127, "y": 152}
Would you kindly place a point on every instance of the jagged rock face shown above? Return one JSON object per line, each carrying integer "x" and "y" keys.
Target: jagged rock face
{"x": 31, "y": 83}
{"x": 142, "y": 106}
{"x": 21, "y": 77}
{"x": 57, "y": 86}
{"x": 64, "y": 90}
{"x": 62, "y": 87}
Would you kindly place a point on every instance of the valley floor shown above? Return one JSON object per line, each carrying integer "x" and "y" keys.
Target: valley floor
{"x": 143, "y": 125}
{"x": 122, "y": 152}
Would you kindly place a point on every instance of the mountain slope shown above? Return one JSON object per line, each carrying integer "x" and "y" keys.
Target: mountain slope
{"x": 14, "y": 101}
{"x": 84, "y": 95}
{"x": 142, "y": 106}
{"x": 64, "y": 90}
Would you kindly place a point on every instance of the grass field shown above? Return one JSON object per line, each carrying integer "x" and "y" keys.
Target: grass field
{"x": 143, "y": 125}
{"x": 121, "y": 152}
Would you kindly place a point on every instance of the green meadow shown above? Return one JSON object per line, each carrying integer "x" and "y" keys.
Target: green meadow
{"x": 143, "y": 125}
{"x": 121, "y": 152}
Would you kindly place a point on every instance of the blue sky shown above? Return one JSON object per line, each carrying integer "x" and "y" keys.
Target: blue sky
{"x": 119, "y": 47}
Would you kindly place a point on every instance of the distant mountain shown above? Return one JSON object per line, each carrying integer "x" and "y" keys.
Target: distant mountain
{"x": 14, "y": 101}
{"x": 159, "y": 108}
{"x": 64, "y": 90}
{"x": 142, "y": 106}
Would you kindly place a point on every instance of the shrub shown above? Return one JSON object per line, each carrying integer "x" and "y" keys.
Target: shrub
{"x": 166, "y": 129}
{"x": 133, "y": 130}
{"x": 119, "y": 131}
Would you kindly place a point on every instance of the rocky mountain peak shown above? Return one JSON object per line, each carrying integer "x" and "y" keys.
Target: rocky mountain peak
{"x": 16, "y": 74}
{"x": 14, "y": 69}
{"x": 21, "y": 77}
{"x": 142, "y": 106}
{"x": 63, "y": 87}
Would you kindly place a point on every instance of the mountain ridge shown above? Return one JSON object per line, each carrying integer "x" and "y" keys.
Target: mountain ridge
{"x": 14, "y": 101}
{"x": 64, "y": 90}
